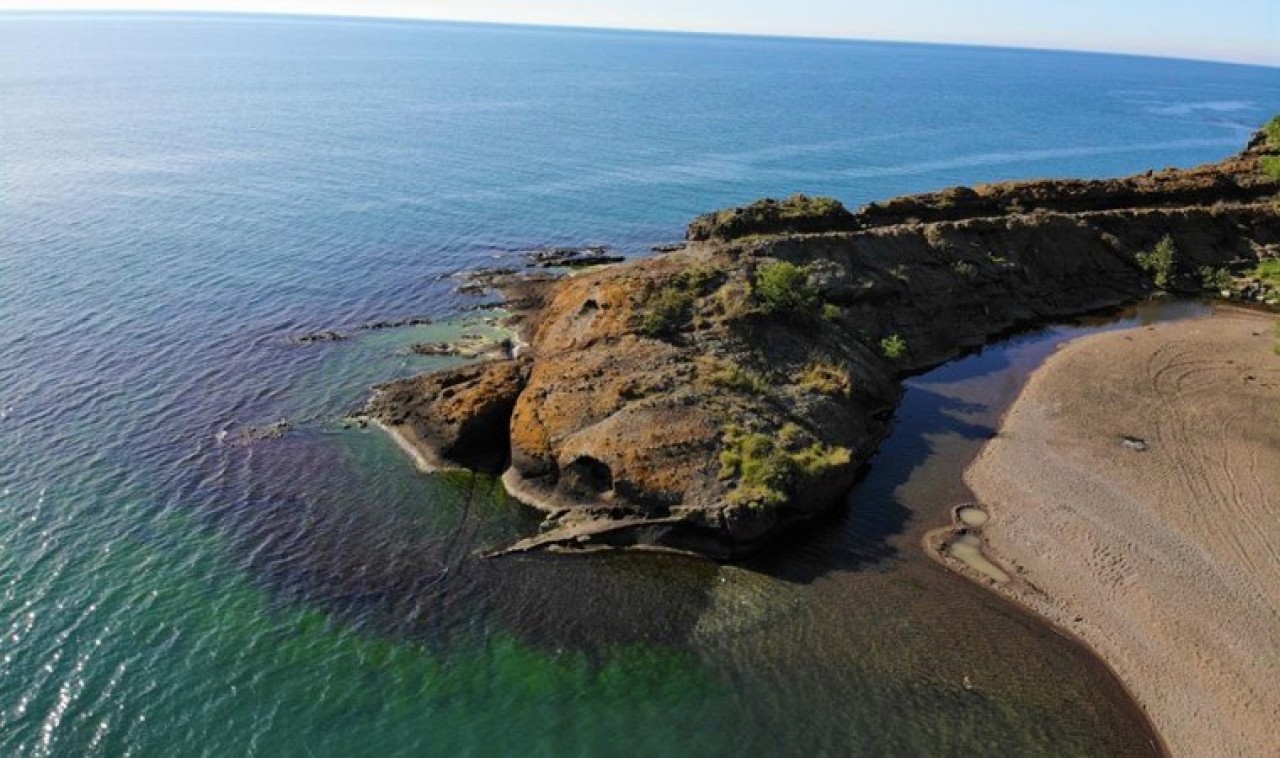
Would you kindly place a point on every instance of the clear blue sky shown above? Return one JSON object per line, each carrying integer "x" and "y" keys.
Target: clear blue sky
{"x": 1235, "y": 30}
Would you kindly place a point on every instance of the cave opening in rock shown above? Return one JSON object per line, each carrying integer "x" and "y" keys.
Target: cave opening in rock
{"x": 588, "y": 475}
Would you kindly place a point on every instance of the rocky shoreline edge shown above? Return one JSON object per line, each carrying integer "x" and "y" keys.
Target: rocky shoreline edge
{"x": 708, "y": 398}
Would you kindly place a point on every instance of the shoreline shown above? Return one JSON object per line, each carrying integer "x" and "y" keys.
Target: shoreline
{"x": 1130, "y": 580}
{"x": 933, "y": 545}
{"x": 423, "y": 455}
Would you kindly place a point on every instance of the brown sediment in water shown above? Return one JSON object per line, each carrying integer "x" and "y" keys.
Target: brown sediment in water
{"x": 1162, "y": 557}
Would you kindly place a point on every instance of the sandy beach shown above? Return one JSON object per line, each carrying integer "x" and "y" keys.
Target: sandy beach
{"x": 1133, "y": 496}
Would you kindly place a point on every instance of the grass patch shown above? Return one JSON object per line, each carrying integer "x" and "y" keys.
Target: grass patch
{"x": 1269, "y": 272}
{"x": 768, "y": 466}
{"x": 733, "y": 300}
{"x": 718, "y": 372}
{"x": 1271, "y": 166}
{"x": 893, "y": 346}
{"x": 964, "y": 268}
{"x": 824, "y": 378}
{"x": 1160, "y": 262}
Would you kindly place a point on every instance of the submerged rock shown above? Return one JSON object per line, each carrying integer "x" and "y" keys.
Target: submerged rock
{"x": 708, "y": 398}
{"x": 322, "y": 336}
{"x": 572, "y": 257}
{"x": 466, "y": 346}
{"x": 396, "y": 323}
{"x": 273, "y": 431}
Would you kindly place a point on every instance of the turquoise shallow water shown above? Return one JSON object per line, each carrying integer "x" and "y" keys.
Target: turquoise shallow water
{"x": 180, "y": 196}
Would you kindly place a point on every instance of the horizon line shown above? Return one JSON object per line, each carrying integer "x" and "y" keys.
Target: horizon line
{"x": 376, "y": 18}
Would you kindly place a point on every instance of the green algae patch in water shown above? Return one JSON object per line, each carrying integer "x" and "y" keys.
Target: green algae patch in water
{"x": 181, "y": 643}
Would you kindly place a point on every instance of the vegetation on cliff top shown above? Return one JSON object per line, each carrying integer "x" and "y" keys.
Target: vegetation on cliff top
{"x": 1271, "y": 163}
{"x": 1272, "y": 130}
{"x": 798, "y": 213}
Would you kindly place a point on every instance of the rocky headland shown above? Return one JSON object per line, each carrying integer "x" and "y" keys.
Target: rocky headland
{"x": 707, "y": 398}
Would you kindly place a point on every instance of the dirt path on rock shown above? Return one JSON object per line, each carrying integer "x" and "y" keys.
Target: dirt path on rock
{"x": 1161, "y": 551}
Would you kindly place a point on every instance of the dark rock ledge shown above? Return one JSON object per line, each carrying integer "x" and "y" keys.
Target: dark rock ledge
{"x": 705, "y": 399}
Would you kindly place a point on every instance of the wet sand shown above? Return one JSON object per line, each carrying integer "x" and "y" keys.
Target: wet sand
{"x": 1133, "y": 496}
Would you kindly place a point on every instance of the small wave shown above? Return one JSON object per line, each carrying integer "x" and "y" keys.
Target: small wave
{"x": 1026, "y": 156}
{"x": 1211, "y": 106}
{"x": 709, "y": 167}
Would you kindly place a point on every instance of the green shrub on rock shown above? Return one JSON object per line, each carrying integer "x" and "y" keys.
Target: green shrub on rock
{"x": 1159, "y": 262}
{"x": 783, "y": 287}
{"x": 1215, "y": 279}
{"x": 665, "y": 312}
{"x": 669, "y": 307}
{"x": 893, "y": 346}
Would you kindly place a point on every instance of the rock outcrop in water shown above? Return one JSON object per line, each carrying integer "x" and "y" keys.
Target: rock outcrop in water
{"x": 708, "y": 398}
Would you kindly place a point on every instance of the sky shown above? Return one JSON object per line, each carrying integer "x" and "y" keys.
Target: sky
{"x": 1246, "y": 31}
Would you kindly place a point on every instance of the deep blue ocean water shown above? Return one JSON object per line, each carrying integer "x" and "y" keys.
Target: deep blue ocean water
{"x": 179, "y": 196}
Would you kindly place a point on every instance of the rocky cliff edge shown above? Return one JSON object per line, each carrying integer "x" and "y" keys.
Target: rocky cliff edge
{"x": 706, "y": 399}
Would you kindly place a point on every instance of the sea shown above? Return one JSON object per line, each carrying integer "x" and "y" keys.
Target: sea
{"x": 201, "y": 556}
